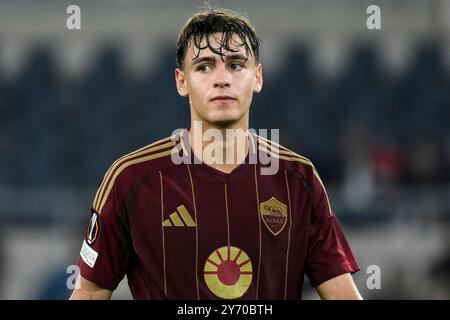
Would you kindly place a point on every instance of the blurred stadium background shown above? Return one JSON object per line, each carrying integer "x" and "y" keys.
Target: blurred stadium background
{"x": 370, "y": 108}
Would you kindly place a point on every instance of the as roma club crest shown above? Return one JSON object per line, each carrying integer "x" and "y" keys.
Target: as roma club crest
{"x": 274, "y": 214}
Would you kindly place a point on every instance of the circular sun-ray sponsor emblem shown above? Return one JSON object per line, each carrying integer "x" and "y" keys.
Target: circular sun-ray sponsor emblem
{"x": 228, "y": 272}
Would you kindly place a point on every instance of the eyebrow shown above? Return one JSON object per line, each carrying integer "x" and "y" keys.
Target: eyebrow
{"x": 211, "y": 59}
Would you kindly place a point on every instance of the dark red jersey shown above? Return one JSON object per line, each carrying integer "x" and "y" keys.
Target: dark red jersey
{"x": 189, "y": 231}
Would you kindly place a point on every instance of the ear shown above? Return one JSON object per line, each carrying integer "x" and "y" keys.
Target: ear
{"x": 181, "y": 82}
{"x": 257, "y": 86}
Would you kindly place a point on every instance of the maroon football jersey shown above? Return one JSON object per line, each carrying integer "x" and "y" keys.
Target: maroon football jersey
{"x": 189, "y": 231}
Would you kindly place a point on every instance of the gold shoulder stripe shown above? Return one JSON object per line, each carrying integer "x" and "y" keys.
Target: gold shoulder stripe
{"x": 280, "y": 155}
{"x": 281, "y": 149}
{"x": 107, "y": 178}
{"x": 307, "y": 162}
{"x": 276, "y": 150}
{"x": 112, "y": 167}
{"x": 127, "y": 164}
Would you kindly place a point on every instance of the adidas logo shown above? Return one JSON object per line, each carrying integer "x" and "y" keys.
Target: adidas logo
{"x": 179, "y": 218}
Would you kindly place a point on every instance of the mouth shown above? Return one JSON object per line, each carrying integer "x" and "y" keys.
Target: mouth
{"x": 223, "y": 99}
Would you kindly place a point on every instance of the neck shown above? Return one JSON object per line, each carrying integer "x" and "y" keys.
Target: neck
{"x": 222, "y": 148}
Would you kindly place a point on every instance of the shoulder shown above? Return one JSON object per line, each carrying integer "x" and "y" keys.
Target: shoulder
{"x": 296, "y": 164}
{"x": 128, "y": 169}
{"x": 288, "y": 159}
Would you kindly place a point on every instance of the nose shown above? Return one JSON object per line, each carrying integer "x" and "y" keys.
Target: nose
{"x": 221, "y": 84}
{"x": 222, "y": 79}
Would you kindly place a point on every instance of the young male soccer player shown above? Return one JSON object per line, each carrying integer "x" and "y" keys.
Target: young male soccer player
{"x": 214, "y": 229}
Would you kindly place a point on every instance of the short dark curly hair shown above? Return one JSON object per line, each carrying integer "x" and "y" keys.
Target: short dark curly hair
{"x": 205, "y": 23}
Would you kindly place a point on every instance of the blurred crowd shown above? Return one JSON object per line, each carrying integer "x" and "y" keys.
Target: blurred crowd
{"x": 394, "y": 127}
{"x": 363, "y": 124}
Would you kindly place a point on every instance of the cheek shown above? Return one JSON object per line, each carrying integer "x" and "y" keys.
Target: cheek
{"x": 197, "y": 88}
{"x": 247, "y": 87}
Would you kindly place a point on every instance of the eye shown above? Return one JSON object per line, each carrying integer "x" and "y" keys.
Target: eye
{"x": 204, "y": 68}
{"x": 236, "y": 66}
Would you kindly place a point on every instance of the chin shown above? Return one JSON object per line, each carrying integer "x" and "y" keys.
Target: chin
{"x": 223, "y": 123}
{"x": 223, "y": 120}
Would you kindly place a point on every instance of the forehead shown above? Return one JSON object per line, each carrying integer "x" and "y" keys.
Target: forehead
{"x": 215, "y": 44}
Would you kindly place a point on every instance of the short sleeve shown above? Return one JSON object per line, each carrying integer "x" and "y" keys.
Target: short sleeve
{"x": 105, "y": 250}
{"x": 328, "y": 254}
